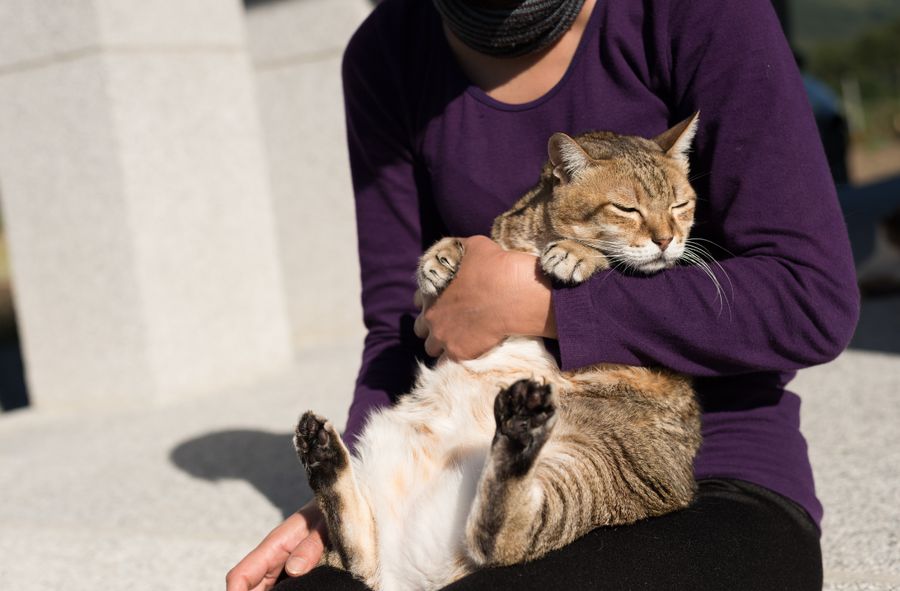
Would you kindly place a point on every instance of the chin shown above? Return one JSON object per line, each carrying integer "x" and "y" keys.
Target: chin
{"x": 651, "y": 267}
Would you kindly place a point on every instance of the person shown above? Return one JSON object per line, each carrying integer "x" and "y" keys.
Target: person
{"x": 448, "y": 120}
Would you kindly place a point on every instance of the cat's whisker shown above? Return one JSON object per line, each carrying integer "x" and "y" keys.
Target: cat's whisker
{"x": 620, "y": 262}
{"x": 703, "y": 252}
{"x": 693, "y": 178}
{"x": 697, "y": 262}
{"x": 693, "y": 240}
{"x": 695, "y": 257}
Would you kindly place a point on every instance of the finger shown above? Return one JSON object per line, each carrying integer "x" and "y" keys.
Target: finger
{"x": 251, "y": 575}
{"x": 259, "y": 569}
{"x": 420, "y": 327}
{"x": 418, "y": 299}
{"x": 433, "y": 347}
{"x": 268, "y": 581}
{"x": 306, "y": 555}
{"x": 453, "y": 354}
{"x": 477, "y": 241}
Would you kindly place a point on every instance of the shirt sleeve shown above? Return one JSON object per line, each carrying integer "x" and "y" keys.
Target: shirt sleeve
{"x": 788, "y": 292}
{"x": 388, "y": 223}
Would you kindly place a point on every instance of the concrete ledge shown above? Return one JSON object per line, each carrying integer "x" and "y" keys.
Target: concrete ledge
{"x": 166, "y": 497}
{"x": 172, "y": 496}
{"x": 850, "y": 417}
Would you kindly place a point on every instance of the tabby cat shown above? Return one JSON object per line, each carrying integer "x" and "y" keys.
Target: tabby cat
{"x": 503, "y": 458}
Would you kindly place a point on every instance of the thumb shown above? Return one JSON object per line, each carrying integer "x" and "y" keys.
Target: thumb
{"x": 306, "y": 555}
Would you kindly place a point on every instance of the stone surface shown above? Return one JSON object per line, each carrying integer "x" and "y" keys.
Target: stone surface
{"x": 201, "y": 217}
{"x": 851, "y": 413}
{"x": 889, "y": 585}
{"x": 76, "y": 286}
{"x": 38, "y": 31}
{"x": 273, "y": 27}
{"x": 166, "y": 497}
{"x": 176, "y": 24}
{"x": 299, "y": 90}
{"x": 140, "y": 219}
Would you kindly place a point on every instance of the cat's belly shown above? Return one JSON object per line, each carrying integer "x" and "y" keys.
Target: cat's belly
{"x": 419, "y": 462}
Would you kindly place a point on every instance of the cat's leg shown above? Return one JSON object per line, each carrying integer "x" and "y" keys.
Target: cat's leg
{"x": 351, "y": 526}
{"x": 571, "y": 262}
{"x": 500, "y": 524}
{"x": 614, "y": 456}
{"x": 438, "y": 265}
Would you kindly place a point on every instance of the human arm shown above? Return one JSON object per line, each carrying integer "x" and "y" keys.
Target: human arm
{"x": 295, "y": 546}
{"x": 389, "y": 211}
{"x": 790, "y": 292}
{"x": 765, "y": 196}
{"x": 389, "y": 240}
{"x": 495, "y": 294}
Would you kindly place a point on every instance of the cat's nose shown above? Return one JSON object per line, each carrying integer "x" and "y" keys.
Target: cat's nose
{"x": 662, "y": 243}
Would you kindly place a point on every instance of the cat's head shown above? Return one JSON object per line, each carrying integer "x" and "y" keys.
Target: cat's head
{"x": 626, "y": 196}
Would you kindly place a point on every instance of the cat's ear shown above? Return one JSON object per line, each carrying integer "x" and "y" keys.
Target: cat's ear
{"x": 676, "y": 141}
{"x": 568, "y": 158}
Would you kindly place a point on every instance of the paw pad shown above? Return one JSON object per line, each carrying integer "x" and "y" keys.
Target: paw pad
{"x": 525, "y": 411}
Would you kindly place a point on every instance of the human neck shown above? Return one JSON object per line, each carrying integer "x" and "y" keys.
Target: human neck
{"x": 517, "y": 80}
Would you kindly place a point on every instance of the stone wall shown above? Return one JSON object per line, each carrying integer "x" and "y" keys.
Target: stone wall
{"x": 137, "y": 201}
{"x": 296, "y": 47}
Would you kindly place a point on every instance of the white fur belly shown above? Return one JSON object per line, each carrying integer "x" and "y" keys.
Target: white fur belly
{"x": 419, "y": 463}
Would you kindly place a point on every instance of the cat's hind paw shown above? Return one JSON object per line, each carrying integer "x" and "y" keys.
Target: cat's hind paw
{"x": 438, "y": 266}
{"x": 319, "y": 447}
{"x": 525, "y": 414}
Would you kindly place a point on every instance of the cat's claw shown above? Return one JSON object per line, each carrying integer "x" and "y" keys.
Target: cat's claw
{"x": 570, "y": 262}
{"x": 438, "y": 266}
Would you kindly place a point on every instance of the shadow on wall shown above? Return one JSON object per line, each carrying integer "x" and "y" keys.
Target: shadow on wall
{"x": 265, "y": 460}
{"x": 13, "y": 392}
{"x": 864, "y": 207}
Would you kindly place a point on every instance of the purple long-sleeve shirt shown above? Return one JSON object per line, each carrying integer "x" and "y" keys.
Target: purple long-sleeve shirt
{"x": 432, "y": 154}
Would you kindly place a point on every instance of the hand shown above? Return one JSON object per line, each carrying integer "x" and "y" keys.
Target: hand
{"x": 495, "y": 294}
{"x": 294, "y": 546}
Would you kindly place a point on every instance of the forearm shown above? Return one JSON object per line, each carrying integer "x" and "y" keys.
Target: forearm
{"x": 390, "y": 231}
{"x": 530, "y": 307}
{"x": 788, "y": 297}
{"x": 769, "y": 316}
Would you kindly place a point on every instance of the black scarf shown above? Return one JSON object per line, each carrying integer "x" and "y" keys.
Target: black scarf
{"x": 509, "y": 32}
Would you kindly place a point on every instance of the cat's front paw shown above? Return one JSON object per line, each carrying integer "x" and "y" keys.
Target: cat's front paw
{"x": 438, "y": 266}
{"x": 319, "y": 447}
{"x": 525, "y": 414}
{"x": 571, "y": 262}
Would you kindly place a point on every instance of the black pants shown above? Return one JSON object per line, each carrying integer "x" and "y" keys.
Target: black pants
{"x": 736, "y": 536}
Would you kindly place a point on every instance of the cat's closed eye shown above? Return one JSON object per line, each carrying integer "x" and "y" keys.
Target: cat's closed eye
{"x": 624, "y": 208}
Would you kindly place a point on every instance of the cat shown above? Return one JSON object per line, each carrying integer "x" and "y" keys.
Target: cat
{"x": 503, "y": 458}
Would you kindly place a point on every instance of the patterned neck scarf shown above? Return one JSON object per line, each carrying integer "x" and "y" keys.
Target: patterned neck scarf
{"x": 527, "y": 27}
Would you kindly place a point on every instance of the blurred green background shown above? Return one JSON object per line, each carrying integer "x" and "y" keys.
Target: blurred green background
{"x": 853, "y": 47}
